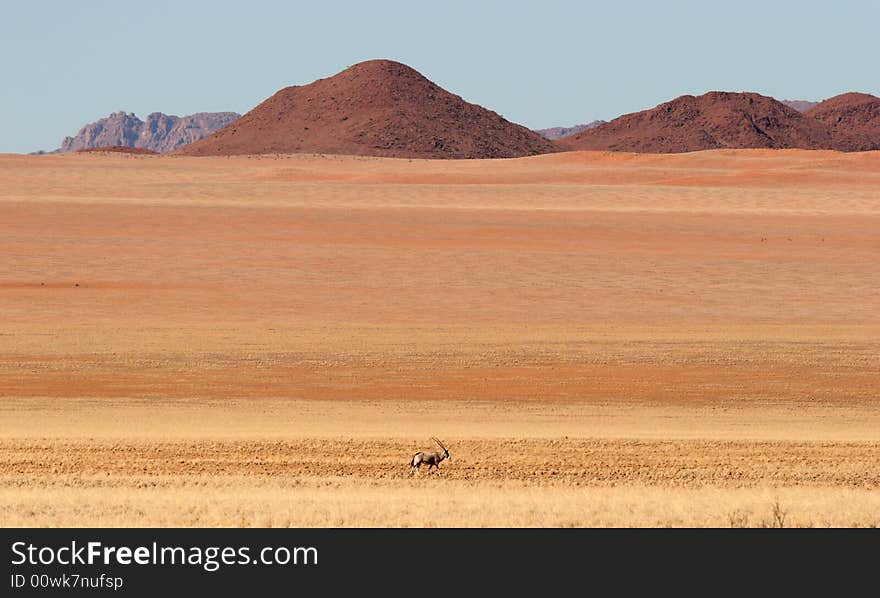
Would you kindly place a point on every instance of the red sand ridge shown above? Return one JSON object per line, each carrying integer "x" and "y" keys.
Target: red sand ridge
{"x": 854, "y": 120}
{"x": 711, "y": 121}
{"x": 375, "y": 108}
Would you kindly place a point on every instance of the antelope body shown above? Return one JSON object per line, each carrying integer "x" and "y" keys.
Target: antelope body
{"x": 431, "y": 459}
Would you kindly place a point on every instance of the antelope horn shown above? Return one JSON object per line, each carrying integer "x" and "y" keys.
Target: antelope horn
{"x": 438, "y": 442}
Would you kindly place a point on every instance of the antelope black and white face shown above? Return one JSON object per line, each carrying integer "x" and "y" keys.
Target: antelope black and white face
{"x": 445, "y": 453}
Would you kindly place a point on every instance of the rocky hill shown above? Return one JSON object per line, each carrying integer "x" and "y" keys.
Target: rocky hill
{"x": 710, "y": 121}
{"x": 374, "y": 108}
{"x": 854, "y": 120}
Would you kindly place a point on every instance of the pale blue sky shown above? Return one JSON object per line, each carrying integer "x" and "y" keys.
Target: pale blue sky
{"x": 541, "y": 64}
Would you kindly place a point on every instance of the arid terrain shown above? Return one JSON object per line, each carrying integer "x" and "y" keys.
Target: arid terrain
{"x": 601, "y": 339}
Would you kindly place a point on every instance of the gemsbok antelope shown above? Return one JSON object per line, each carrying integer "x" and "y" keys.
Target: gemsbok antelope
{"x": 430, "y": 459}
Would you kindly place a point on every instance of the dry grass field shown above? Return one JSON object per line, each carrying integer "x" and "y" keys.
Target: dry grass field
{"x": 601, "y": 339}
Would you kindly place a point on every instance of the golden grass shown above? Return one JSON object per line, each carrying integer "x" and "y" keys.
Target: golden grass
{"x": 521, "y": 465}
{"x": 333, "y": 502}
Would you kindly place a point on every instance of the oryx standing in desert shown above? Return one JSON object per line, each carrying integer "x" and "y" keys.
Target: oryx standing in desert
{"x": 430, "y": 459}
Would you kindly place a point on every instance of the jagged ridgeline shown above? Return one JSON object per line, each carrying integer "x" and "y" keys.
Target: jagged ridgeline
{"x": 159, "y": 133}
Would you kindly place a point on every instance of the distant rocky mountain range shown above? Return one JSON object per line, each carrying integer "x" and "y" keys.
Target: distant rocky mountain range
{"x": 800, "y": 105}
{"x": 560, "y": 132}
{"x": 159, "y": 133}
{"x": 386, "y": 109}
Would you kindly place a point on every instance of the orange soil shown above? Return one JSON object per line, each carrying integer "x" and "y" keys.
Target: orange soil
{"x": 712, "y": 277}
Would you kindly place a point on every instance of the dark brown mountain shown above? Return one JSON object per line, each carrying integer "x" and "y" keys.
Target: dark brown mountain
{"x": 560, "y": 132}
{"x": 375, "y": 108}
{"x": 854, "y": 120}
{"x": 711, "y": 121}
{"x": 160, "y": 132}
{"x": 800, "y": 105}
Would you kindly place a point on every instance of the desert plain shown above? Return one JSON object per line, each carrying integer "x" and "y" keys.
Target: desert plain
{"x": 601, "y": 339}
